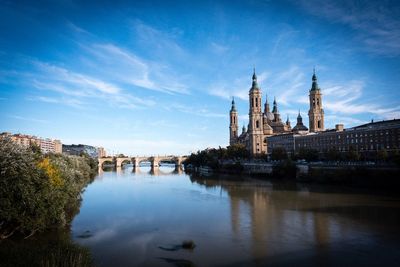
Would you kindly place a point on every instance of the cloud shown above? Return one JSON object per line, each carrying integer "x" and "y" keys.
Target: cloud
{"x": 344, "y": 102}
{"x": 287, "y": 85}
{"x": 68, "y": 101}
{"x": 239, "y": 87}
{"x": 376, "y": 23}
{"x": 198, "y": 111}
{"x": 69, "y": 84}
{"x": 159, "y": 41}
{"x": 123, "y": 66}
{"x": 27, "y": 119}
{"x": 218, "y": 48}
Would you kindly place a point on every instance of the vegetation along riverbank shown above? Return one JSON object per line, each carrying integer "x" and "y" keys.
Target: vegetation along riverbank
{"x": 39, "y": 191}
{"x": 307, "y": 166}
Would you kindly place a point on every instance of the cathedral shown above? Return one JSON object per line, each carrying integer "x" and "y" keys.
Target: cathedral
{"x": 265, "y": 123}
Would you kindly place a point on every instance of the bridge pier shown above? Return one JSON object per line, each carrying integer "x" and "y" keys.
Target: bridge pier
{"x": 154, "y": 162}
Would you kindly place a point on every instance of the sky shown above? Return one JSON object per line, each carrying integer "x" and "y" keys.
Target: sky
{"x": 157, "y": 77}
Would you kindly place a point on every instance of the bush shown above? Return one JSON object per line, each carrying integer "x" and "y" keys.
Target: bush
{"x": 279, "y": 153}
{"x": 39, "y": 191}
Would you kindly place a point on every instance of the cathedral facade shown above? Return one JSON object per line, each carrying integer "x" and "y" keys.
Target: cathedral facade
{"x": 264, "y": 122}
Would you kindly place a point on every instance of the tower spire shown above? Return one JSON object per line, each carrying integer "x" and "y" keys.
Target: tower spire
{"x": 314, "y": 85}
{"x": 233, "y": 104}
{"x": 266, "y": 105}
{"x": 275, "y": 107}
{"x": 254, "y": 78}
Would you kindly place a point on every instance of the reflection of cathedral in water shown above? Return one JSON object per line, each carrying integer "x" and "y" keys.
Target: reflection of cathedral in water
{"x": 276, "y": 219}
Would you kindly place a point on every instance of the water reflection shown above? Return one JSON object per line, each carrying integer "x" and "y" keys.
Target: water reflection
{"x": 239, "y": 222}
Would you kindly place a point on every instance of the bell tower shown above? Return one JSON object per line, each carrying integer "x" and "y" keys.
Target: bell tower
{"x": 316, "y": 113}
{"x": 233, "y": 125}
{"x": 255, "y": 118}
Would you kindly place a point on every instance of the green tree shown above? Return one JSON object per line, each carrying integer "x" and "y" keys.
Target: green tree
{"x": 382, "y": 155}
{"x": 38, "y": 192}
{"x": 308, "y": 154}
{"x": 333, "y": 154}
{"x": 352, "y": 154}
{"x": 279, "y": 153}
{"x": 237, "y": 151}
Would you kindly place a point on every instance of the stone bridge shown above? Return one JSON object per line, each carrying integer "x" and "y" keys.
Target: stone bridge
{"x": 154, "y": 160}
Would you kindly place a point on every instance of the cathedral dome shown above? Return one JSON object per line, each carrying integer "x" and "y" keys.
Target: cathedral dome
{"x": 267, "y": 129}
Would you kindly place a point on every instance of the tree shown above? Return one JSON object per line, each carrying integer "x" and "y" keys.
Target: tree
{"x": 39, "y": 191}
{"x": 279, "y": 153}
{"x": 382, "y": 155}
{"x": 308, "y": 154}
{"x": 333, "y": 154}
{"x": 352, "y": 154}
{"x": 237, "y": 151}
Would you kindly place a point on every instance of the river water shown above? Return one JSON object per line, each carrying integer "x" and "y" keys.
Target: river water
{"x": 140, "y": 218}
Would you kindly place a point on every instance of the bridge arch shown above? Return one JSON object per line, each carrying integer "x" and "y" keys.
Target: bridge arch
{"x": 104, "y": 160}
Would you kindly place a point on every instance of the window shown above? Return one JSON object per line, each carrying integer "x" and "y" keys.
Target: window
{"x": 252, "y": 102}
{"x": 256, "y": 101}
{"x": 319, "y": 124}
{"x": 257, "y": 124}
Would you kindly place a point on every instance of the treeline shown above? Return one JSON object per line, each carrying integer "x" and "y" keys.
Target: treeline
{"x": 214, "y": 156}
{"x": 39, "y": 191}
{"x": 217, "y": 158}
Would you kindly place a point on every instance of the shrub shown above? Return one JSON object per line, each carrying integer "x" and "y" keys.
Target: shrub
{"x": 38, "y": 191}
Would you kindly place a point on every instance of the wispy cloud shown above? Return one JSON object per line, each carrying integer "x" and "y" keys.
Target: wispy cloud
{"x": 198, "y": 111}
{"x": 376, "y": 23}
{"x": 288, "y": 84}
{"x": 121, "y": 65}
{"x": 159, "y": 41}
{"x": 218, "y": 48}
{"x": 348, "y": 99}
{"x": 68, "y": 101}
{"x": 239, "y": 87}
{"x": 22, "y": 118}
{"x": 72, "y": 87}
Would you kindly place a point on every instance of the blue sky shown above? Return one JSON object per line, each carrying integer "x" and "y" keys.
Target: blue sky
{"x": 156, "y": 77}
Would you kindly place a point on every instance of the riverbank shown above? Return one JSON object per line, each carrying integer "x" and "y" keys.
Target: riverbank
{"x": 353, "y": 174}
{"x": 39, "y": 191}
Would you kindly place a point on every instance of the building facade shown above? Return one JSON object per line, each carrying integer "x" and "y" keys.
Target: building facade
{"x": 46, "y": 145}
{"x": 370, "y": 137}
{"x": 101, "y": 152}
{"x": 366, "y": 138}
{"x": 78, "y": 149}
{"x": 266, "y": 123}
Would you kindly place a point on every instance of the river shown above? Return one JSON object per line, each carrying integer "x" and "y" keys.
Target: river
{"x": 140, "y": 218}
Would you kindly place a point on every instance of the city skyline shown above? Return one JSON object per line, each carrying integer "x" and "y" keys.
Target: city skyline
{"x": 157, "y": 78}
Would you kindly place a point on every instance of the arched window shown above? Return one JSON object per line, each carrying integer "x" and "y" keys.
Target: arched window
{"x": 252, "y": 102}
{"x": 319, "y": 124}
{"x": 257, "y": 124}
{"x": 256, "y": 101}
